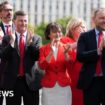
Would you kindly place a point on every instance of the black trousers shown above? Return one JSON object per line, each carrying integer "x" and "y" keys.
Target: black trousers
{"x": 95, "y": 94}
{"x": 2, "y": 66}
{"x": 1, "y": 100}
{"x": 21, "y": 89}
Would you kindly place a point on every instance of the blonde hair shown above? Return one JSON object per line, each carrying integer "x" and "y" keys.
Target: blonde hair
{"x": 72, "y": 24}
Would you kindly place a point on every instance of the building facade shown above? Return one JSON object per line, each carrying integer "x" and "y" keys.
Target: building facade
{"x": 49, "y": 10}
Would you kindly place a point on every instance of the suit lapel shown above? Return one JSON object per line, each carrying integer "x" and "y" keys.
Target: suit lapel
{"x": 26, "y": 43}
{"x": 16, "y": 44}
{"x": 93, "y": 36}
{"x": 60, "y": 54}
{"x": 27, "y": 37}
{"x": 2, "y": 26}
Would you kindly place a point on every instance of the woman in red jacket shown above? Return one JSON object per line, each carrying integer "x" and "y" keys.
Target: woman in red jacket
{"x": 74, "y": 28}
{"x": 54, "y": 59}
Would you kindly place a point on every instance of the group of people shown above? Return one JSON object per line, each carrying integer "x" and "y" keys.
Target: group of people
{"x": 73, "y": 63}
{"x": 18, "y": 52}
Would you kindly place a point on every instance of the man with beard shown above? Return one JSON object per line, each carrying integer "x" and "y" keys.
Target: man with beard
{"x": 7, "y": 16}
{"x": 6, "y": 25}
{"x": 91, "y": 52}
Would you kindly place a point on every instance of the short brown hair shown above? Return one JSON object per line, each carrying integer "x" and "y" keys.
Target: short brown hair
{"x": 97, "y": 10}
{"x": 4, "y": 3}
{"x": 51, "y": 27}
{"x": 19, "y": 13}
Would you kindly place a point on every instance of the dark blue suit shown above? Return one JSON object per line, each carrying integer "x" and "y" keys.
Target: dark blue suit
{"x": 2, "y": 64}
{"x": 11, "y": 81}
{"x": 87, "y": 54}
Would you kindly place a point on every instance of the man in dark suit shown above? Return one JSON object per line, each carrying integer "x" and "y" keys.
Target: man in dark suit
{"x": 91, "y": 52}
{"x": 20, "y": 54}
{"x": 6, "y": 15}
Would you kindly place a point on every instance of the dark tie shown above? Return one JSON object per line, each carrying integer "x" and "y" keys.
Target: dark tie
{"x": 21, "y": 50}
{"x": 98, "y": 66}
{"x": 8, "y": 29}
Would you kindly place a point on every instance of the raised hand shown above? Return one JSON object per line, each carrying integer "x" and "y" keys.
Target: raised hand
{"x": 102, "y": 44}
{"x": 55, "y": 43}
{"x": 1, "y": 35}
{"x": 69, "y": 46}
{"x": 30, "y": 36}
{"x": 12, "y": 37}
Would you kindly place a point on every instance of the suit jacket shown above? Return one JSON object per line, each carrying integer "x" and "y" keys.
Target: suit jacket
{"x": 3, "y": 61}
{"x": 12, "y": 57}
{"x": 87, "y": 54}
{"x": 55, "y": 71}
{"x": 2, "y": 27}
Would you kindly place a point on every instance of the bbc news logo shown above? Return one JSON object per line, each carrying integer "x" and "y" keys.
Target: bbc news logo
{"x": 6, "y": 93}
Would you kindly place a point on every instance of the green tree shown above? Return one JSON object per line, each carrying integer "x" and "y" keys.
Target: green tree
{"x": 63, "y": 22}
{"x": 39, "y": 29}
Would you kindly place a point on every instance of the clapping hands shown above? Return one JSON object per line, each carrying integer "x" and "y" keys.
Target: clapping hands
{"x": 69, "y": 46}
{"x": 102, "y": 44}
{"x": 1, "y": 35}
{"x": 30, "y": 36}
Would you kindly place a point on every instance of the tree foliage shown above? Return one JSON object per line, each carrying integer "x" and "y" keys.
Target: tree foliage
{"x": 39, "y": 29}
{"x": 63, "y": 22}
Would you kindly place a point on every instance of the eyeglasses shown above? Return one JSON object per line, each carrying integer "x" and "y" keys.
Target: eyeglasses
{"x": 6, "y": 10}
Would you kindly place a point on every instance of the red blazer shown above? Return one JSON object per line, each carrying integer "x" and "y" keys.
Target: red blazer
{"x": 55, "y": 71}
{"x": 74, "y": 67}
{"x": 66, "y": 39}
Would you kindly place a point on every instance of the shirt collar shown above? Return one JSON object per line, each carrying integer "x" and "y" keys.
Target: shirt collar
{"x": 10, "y": 24}
{"x": 24, "y": 34}
{"x": 97, "y": 32}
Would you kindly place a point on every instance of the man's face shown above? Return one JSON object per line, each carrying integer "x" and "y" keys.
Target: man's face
{"x": 7, "y": 13}
{"x": 99, "y": 20}
{"x": 21, "y": 23}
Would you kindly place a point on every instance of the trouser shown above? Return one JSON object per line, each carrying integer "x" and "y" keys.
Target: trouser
{"x": 95, "y": 94}
{"x": 21, "y": 90}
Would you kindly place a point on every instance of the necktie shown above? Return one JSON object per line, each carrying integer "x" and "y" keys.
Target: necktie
{"x": 21, "y": 50}
{"x": 98, "y": 66}
{"x": 8, "y": 29}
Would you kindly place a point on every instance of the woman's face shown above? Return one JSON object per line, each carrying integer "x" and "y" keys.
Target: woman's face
{"x": 55, "y": 35}
{"x": 78, "y": 30}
